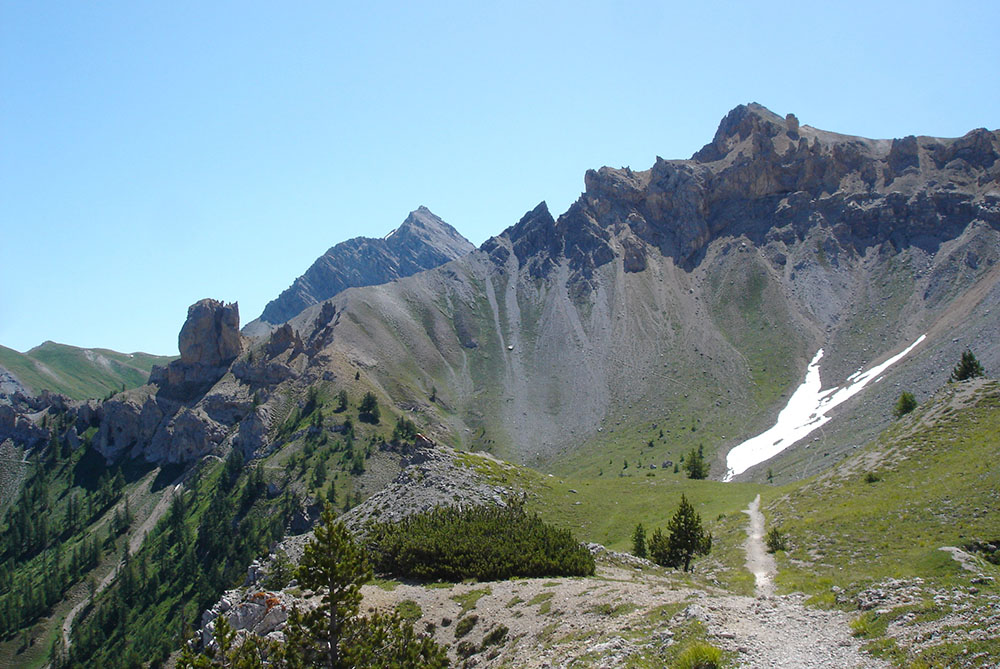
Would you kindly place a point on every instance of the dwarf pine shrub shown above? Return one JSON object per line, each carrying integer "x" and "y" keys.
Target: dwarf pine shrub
{"x": 487, "y": 543}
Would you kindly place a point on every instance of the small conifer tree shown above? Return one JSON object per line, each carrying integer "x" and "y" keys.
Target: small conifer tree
{"x": 695, "y": 465}
{"x": 904, "y": 405}
{"x": 368, "y": 410}
{"x": 685, "y": 539}
{"x": 967, "y": 368}
{"x": 333, "y": 634}
{"x": 639, "y": 541}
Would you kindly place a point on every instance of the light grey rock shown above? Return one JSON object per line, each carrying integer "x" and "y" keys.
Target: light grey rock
{"x": 423, "y": 241}
{"x": 210, "y": 336}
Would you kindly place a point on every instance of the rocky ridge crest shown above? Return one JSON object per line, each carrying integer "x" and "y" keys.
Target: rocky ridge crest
{"x": 421, "y": 242}
{"x": 762, "y": 172}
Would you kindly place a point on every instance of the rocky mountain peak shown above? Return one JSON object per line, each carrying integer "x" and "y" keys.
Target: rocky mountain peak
{"x": 424, "y": 227}
{"x": 423, "y": 241}
{"x": 749, "y": 121}
{"x": 761, "y": 171}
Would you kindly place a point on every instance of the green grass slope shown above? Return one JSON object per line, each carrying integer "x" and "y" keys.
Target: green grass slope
{"x": 929, "y": 481}
{"x": 79, "y": 373}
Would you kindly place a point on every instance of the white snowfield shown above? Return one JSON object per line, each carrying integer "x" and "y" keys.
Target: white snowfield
{"x": 808, "y": 409}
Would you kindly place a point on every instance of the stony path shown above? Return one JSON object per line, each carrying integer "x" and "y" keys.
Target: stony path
{"x": 760, "y": 563}
{"x": 770, "y": 632}
{"x": 778, "y": 631}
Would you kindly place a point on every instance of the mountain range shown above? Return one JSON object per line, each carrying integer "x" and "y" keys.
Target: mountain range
{"x": 569, "y": 364}
{"x": 689, "y": 298}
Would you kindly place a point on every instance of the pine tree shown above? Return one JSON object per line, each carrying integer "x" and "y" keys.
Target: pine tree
{"x": 368, "y": 410}
{"x": 695, "y": 465}
{"x": 639, "y": 541}
{"x": 333, "y": 635}
{"x": 904, "y": 405}
{"x": 687, "y": 536}
{"x": 657, "y": 547}
{"x": 967, "y": 368}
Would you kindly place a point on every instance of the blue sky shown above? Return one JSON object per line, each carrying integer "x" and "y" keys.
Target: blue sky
{"x": 152, "y": 154}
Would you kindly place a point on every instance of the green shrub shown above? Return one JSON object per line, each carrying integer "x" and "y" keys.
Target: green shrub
{"x": 465, "y": 649}
{"x": 465, "y": 625}
{"x": 495, "y": 636}
{"x": 904, "y": 405}
{"x": 409, "y": 610}
{"x": 483, "y": 542}
{"x": 776, "y": 541}
{"x": 405, "y": 430}
{"x": 699, "y": 655}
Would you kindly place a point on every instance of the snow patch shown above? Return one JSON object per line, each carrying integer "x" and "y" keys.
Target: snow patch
{"x": 808, "y": 409}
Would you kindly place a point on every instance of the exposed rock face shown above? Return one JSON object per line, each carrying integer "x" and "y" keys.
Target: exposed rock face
{"x": 695, "y": 285}
{"x": 20, "y": 428}
{"x": 422, "y": 242}
{"x": 260, "y": 613}
{"x": 870, "y": 191}
{"x": 431, "y": 479}
{"x": 209, "y": 342}
{"x": 128, "y": 424}
{"x": 186, "y": 411}
{"x": 210, "y": 336}
{"x": 9, "y": 384}
{"x": 283, "y": 339}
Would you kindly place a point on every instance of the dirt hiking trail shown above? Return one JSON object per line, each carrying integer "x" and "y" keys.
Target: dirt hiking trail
{"x": 760, "y": 563}
{"x": 779, "y": 631}
{"x": 629, "y": 609}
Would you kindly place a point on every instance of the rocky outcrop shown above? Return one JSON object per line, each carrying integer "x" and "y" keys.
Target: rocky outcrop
{"x": 9, "y": 384}
{"x": 422, "y": 242}
{"x": 184, "y": 412}
{"x": 19, "y": 428}
{"x": 251, "y": 435}
{"x": 209, "y": 342}
{"x": 210, "y": 336}
{"x": 868, "y": 191}
{"x": 432, "y": 477}
{"x": 128, "y": 424}
{"x": 262, "y": 613}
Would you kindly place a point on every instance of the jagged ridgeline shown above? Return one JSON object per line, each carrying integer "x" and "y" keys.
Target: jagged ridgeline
{"x": 680, "y": 305}
{"x": 669, "y": 312}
